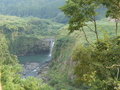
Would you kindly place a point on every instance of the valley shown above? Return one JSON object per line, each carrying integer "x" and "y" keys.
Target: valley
{"x": 59, "y": 45}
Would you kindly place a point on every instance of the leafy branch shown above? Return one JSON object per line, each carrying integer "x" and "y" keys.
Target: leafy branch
{"x": 86, "y": 37}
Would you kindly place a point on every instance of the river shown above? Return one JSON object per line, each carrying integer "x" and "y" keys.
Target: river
{"x": 40, "y": 58}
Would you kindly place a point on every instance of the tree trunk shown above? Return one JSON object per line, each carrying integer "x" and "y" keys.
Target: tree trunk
{"x": 95, "y": 26}
{"x": 116, "y": 21}
{"x": 86, "y": 37}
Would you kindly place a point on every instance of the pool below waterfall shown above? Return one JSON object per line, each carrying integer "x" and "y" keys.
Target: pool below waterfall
{"x": 34, "y": 58}
{"x": 32, "y": 63}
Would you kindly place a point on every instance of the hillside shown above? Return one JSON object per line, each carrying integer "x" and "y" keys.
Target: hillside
{"x": 47, "y": 9}
{"x": 61, "y": 71}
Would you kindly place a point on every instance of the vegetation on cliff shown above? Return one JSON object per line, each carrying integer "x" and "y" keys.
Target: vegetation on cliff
{"x": 25, "y": 35}
{"x": 68, "y": 47}
{"x": 96, "y": 62}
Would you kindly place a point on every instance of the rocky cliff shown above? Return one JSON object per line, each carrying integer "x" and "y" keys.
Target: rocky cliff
{"x": 24, "y": 45}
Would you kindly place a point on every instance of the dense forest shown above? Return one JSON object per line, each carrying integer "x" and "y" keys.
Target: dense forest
{"x": 37, "y": 8}
{"x": 47, "y": 9}
{"x": 86, "y": 52}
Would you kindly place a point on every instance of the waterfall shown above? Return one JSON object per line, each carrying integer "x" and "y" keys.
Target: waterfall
{"x": 51, "y": 47}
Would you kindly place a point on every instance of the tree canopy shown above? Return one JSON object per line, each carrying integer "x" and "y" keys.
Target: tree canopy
{"x": 98, "y": 67}
{"x": 80, "y": 12}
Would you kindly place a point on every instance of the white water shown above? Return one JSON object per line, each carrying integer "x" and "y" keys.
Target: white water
{"x": 51, "y": 47}
{"x": 35, "y": 69}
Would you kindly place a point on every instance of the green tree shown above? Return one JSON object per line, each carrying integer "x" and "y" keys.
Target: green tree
{"x": 98, "y": 68}
{"x": 113, "y": 11}
{"x": 101, "y": 63}
{"x": 80, "y": 12}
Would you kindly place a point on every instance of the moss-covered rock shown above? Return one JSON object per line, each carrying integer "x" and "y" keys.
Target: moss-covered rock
{"x": 29, "y": 45}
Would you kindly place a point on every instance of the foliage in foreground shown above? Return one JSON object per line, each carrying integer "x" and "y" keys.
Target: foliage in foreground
{"x": 61, "y": 67}
{"x": 98, "y": 67}
{"x": 9, "y": 68}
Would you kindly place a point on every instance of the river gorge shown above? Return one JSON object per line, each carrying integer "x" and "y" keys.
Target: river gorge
{"x": 32, "y": 64}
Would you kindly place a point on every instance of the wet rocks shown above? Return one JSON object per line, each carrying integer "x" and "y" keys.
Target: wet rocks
{"x": 29, "y": 67}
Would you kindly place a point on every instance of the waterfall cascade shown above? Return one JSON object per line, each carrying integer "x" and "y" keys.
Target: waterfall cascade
{"x": 51, "y": 47}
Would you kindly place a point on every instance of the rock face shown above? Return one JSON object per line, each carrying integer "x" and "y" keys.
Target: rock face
{"x": 22, "y": 45}
{"x": 43, "y": 71}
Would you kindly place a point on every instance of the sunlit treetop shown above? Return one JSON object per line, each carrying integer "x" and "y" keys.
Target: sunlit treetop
{"x": 81, "y": 11}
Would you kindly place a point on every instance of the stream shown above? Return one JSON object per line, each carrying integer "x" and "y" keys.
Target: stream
{"x": 31, "y": 63}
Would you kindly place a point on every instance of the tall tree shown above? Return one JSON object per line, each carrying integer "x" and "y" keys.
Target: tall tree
{"x": 113, "y": 11}
{"x": 98, "y": 67}
{"x": 80, "y": 12}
